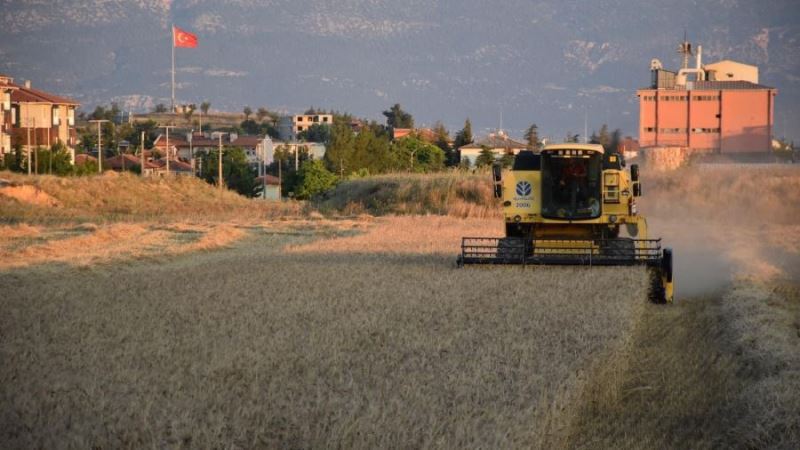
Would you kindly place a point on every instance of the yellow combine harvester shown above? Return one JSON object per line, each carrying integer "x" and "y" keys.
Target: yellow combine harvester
{"x": 569, "y": 205}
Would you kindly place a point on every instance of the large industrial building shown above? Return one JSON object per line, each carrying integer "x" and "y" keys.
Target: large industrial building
{"x": 718, "y": 108}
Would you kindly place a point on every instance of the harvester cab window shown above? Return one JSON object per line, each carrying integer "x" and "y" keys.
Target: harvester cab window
{"x": 571, "y": 187}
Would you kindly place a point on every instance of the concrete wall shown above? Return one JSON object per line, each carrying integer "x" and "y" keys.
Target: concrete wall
{"x": 727, "y": 70}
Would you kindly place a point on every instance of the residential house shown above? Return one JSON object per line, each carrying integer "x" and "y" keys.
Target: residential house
{"x": 268, "y": 187}
{"x": 39, "y": 118}
{"x": 6, "y": 122}
{"x": 424, "y": 134}
{"x": 127, "y": 161}
{"x": 169, "y": 149}
{"x": 499, "y": 143}
{"x": 290, "y": 126}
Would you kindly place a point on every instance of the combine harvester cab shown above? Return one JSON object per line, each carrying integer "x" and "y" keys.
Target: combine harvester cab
{"x": 568, "y": 205}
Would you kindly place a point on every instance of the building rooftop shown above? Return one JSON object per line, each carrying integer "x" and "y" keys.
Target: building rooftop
{"x": 24, "y": 94}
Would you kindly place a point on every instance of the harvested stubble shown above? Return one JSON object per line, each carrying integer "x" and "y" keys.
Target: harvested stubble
{"x": 252, "y": 347}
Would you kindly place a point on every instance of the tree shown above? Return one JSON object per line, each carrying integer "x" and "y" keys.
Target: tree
{"x": 532, "y": 136}
{"x": 397, "y": 118}
{"x": 59, "y": 159}
{"x": 571, "y": 137}
{"x": 464, "y": 136}
{"x": 313, "y": 179}
{"x": 205, "y": 107}
{"x": 418, "y": 156}
{"x": 160, "y": 108}
{"x": 485, "y": 157}
{"x": 338, "y": 149}
{"x": 442, "y": 140}
{"x": 235, "y": 170}
{"x": 603, "y": 137}
{"x": 316, "y": 133}
{"x": 507, "y": 160}
{"x": 261, "y": 114}
{"x": 247, "y": 112}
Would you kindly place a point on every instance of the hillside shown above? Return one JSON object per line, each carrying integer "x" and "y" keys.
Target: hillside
{"x": 513, "y": 63}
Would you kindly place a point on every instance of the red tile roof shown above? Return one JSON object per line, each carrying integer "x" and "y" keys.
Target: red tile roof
{"x": 247, "y": 141}
{"x": 271, "y": 180}
{"x": 115, "y": 162}
{"x": 83, "y": 158}
{"x": 30, "y": 95}
{"x": 174, "y": 141}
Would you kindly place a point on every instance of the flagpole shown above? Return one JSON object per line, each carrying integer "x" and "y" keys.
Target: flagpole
{"x": 172, "y": 44}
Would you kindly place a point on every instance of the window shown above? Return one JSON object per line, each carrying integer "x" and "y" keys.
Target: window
{"x": 705, "y": 130}
{"x": 649, "y": 130}
{"x": 672, "y": 130}
{"x": 571, "y": 186}
{"x": 325, "y": 119}
{"x": 299, "y": 128}
{"x": 299, "y": 118}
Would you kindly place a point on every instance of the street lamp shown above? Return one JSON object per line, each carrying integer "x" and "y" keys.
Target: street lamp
{"x": 99, "y": 144}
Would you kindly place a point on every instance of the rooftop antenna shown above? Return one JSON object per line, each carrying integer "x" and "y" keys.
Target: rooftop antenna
{"x": 685, "y": 50}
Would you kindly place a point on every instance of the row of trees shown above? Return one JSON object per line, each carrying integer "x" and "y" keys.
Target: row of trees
{"x": 43, "y": 160}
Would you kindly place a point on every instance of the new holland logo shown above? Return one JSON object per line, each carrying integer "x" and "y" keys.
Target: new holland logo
{"x": 524, "y": 189}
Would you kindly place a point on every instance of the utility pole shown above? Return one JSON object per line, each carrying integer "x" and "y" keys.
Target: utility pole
{"x": 35, "y": 149}
{"x": 296, "y": 158}
{"x": 191, "y": 150}
{"x": 219, "y": 167}
{"x": 141, "y": 155}
{"x": 167, "y": 127}
{"x": 28, "y": 142}
{"x": 99, "y": 144}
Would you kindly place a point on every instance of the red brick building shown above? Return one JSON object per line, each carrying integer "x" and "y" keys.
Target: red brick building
{"x": 734, "y": 115}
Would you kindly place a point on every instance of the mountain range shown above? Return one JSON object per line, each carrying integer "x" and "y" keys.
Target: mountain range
{"x": 502, "y": 64}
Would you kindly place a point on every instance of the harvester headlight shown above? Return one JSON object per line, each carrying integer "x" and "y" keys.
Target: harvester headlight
{"x": 517, "y": 219}
{"x": 612, "y": 218}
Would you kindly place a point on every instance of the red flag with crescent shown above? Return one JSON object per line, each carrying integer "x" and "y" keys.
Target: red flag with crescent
{"x": 182, "y": 38}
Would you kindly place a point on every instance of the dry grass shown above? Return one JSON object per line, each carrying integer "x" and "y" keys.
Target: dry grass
{"x": 456, "y": 194}
{"x": 127, "y": 197}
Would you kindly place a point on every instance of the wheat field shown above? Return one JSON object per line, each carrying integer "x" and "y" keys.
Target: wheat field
{"x": 254, "y": 347}
{"x": 257, "y": 325}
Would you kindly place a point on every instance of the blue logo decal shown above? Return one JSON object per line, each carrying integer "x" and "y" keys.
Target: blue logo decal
{"x": 524, "y": 189}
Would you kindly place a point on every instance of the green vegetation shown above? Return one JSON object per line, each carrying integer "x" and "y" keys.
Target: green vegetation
{"x": 313, "y": 179}
{"x": 457, "y": 194}
{"x": 236, "y": 171}
{"x": 397, "y": 118}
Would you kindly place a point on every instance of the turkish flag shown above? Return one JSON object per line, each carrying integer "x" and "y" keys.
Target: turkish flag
{"x": 182, "y": 38}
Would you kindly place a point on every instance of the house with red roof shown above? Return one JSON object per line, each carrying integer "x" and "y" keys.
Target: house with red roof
{"x": 38, "y": 118}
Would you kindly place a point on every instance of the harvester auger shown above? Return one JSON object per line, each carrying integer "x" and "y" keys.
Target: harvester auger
{"x": 567, "y": 206}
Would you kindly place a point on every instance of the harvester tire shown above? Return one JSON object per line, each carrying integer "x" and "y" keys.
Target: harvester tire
{"x": 657, "y": 292}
